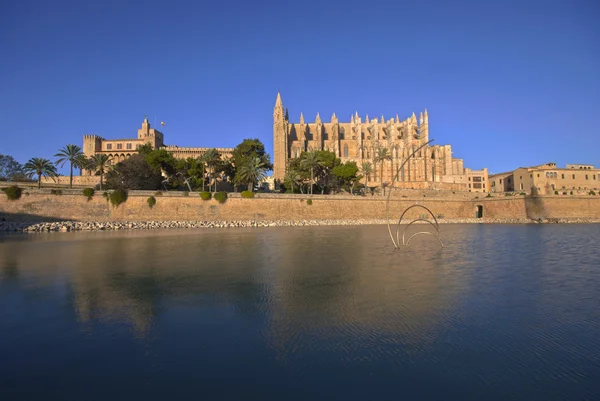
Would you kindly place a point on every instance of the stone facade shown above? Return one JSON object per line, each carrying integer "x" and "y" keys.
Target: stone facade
{"x": 120, "y": 149}
{"x": 72, "y": 205}
{"x": 547, "y": 178}
{"x": 359, "y": 141}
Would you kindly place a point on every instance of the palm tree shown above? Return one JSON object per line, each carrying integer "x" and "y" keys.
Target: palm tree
{"x": 253, "y": 171}
{"x": 367, "y": 169}
{"x": 71, "y": 154}
{"x": 83, "y": 163}
{"x": 41, "y": 167}
{"x": 381, "y": 156}
{"x": 311, "y": 160}
{"x": 211, "y": 158}
{"x": 99, "y": 164}
{"x": 293, "y": 177}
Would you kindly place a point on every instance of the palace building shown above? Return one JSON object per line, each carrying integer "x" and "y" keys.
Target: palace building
{"x": 548, "y": 179}
{"x": 120, "y": 149}
{"x": 359, "y": 140}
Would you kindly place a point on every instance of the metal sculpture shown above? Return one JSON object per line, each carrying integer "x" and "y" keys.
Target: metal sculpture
{"x": 405, "y": 242}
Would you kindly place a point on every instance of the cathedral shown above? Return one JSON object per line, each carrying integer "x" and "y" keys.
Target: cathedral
{"x": 432, "y": 167}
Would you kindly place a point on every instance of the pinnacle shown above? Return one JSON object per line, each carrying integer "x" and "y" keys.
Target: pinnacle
{"x": 278, "y": 102}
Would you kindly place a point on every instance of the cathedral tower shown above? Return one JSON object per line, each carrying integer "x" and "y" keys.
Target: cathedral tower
{"x": 280, "y": 139}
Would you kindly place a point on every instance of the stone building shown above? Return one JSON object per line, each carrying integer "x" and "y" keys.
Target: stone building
{"x": 547, "y": 178}
{"x": 433, "y": 167}
{"x": 120, "y": 149}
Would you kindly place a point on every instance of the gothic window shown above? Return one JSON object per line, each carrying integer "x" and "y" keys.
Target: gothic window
{"x": 109, "y": 146}
{"x": 346, "y": 150}
{"x": 119, "y": 146}
{"x": 342, "y": 133}
{"x": 128, "y": 146}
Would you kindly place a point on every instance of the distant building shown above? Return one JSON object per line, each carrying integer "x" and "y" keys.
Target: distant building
{"x": 433, "y": 167}
{"x": 120, "y": 149}
{"x": 547, "y": 178}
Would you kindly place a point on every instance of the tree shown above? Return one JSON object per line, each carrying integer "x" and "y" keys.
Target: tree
{"x": 252, "y": 172}
{"x": 145, "y": 149}
{"x": 133, "y": 173}
{"x": 381, "y": 156}
{"x": 41, "y": 167}
{"x": 161, "y": 160}
{"x": 11, "y": 170}
{"x": 367, "y": 169}
{"x": 71, "y": 154}
{"x": 346, "y": 174}
{"x": 293, "y": 177}
{"x": 246, "y": 152}
{"x": 212, "y": 158}
{"x": 311, "y": 161}
{"x": 99, "y": 165}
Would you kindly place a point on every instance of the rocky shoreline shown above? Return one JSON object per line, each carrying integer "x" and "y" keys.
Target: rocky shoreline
{"x": 65, "y": 226}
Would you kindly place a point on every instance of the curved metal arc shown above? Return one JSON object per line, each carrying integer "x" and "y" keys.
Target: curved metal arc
{"x": 426, "y": 233}
{"x": 387, "y": 203}
{"x": 437, "y": 229}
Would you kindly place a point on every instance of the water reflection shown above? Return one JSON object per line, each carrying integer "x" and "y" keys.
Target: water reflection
{"x": 502, "y": 301}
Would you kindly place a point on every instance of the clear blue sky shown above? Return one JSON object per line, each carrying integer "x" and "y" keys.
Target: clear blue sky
{"x": 506, "y": 83}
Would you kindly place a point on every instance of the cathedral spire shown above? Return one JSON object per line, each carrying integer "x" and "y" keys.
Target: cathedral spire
{"x": 397, "y": 119}
{"x": 278, "y": 102}
{"x": 301, "y": 118}
{"x": 367, "y": 118}
{"x": 334, "y": 118}
{"x": 382, "y": 119}
{"x": 318, "y": 119}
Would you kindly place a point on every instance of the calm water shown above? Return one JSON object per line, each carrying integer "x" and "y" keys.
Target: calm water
{"x": 503, "y": 312}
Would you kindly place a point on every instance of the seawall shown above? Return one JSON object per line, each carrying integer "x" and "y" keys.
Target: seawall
{"x": 41, "y": 205}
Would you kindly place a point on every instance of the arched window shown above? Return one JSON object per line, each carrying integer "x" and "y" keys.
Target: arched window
{"x": 346, "y": 150}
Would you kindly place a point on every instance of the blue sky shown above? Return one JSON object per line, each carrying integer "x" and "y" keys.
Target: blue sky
{"x": 506, "y": 83}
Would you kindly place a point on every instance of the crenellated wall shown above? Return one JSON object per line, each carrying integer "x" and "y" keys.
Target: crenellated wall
{"x": 72, "y": 205}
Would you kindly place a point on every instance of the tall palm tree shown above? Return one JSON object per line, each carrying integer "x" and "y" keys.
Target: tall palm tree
{"x": 83, "y": 163}
{"x": 100, "y": 164}
{"x": 253, "y": 171}
{"x": 311, "y": 161}
{"x": 41, "y": 167}
{"x": 212, "y": 158}
{"x": 367, "y": 169}
{"x": 71, "y": 154}
{"x": 381, "y": 156}
{"x": 202, "y": 161}
{"x": 293, "y": 177}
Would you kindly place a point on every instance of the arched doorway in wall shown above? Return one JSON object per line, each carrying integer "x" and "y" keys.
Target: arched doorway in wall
{"x": 479, "y": 211}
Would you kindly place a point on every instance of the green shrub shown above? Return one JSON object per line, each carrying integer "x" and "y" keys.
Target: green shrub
{"x": 186, "y": 193}
{"x": 489, "y": 196}
{"x": 221, "y": 197}
{"x": 309, "y": 202}
{"x": 13, "y": 192}
{"x": 158, "y": 193}
{"x": 56, "y": 191}
{"x": 507, "y": 194}
{"x": 555, "y": 192}
{"x": 247, "y": 194}
{"x": 117, "y": 197}
{"x": 592, "y": 193}
{"x": 89, "y": 192}
{"x": 151, "y": 201}
{"x": 522, "y": 193}
{"x": 205, "y": 195}
{"x": 106, "y": 196}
